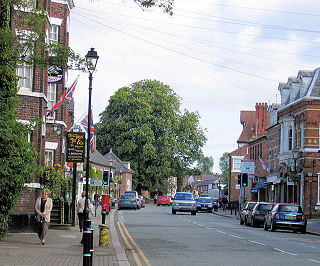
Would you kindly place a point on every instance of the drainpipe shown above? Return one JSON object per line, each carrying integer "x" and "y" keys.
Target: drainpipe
{"x": 302, "y": 190}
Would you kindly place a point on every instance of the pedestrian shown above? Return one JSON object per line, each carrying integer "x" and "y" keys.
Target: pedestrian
{"x": 225, "y": 203}
{"x": 96, "y": 199}
{"x": 43, "y": 209}
{"x": 80, "y": 210}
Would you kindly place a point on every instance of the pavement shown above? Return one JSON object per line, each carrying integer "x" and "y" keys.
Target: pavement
{"x": 313, "y": 226}
{"x": 62, "y": 247}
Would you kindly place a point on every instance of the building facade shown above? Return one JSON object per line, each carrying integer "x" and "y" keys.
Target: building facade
{"x": 39, "y": 90}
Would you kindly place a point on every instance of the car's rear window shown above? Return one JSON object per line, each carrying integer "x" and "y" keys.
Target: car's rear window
{"x": 289, "y": 208}
{"x": 128, "y": 196}
{"x": 162, "y": 197}
{"x": 204, "y": 200}
{"x": 265, "y": 207}
{"x": 183, "y": 197}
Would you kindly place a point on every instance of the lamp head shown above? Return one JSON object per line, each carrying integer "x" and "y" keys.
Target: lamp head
{"x": 92, "y": 60}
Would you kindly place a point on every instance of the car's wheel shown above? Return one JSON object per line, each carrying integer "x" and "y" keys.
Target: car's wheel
{"x": 119, "y": 208}
{"x": 246, "y": 221}
{"x": 135, "y": 208}
{"x": 158, "y": 204}
{"x": 273, "y": 227}
{"x": 303, "y": 230}
{"x": 241, "y": 221}
{"x": 173, "y": 212}
{"x": 194, "y": 213}
{"x": 265, "y": 226}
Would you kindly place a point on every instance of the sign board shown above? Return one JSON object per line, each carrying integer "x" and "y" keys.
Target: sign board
{"x": 247, "y": 167}
{"x": 75, "y": 147}
{"x": 96, "y": 182}
{"x": 237, "y": 186}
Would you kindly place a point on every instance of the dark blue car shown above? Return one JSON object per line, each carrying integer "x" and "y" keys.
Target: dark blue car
{"x": 286, "y": 216}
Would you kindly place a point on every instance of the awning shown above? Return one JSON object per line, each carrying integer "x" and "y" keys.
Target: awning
{"x": 255, "y": 189}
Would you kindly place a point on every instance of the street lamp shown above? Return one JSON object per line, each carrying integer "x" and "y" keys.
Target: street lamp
{"x": 91, "y": 60}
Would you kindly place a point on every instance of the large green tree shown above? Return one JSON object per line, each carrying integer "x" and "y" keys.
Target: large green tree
{"x": 205, "y": 164}
{"x": 143, "y": 124}
{"x": 225, "y": 167}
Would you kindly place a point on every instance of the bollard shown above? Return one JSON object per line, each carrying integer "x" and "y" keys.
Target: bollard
{"x": 86, "y": 248}
{"x": 91, "y": 245}
{"x": 103, "y": 235}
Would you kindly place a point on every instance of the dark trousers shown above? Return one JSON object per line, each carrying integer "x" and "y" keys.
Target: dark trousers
{"x": 81, "y": 220}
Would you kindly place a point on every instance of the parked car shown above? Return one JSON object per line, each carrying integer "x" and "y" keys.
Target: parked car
{"x": 143, "y": 202}
{"x": 184, "y": 202}
{"x": 204, "y": 204}
{"x": 136, "y": 195}
{"x": 128, "y": 201}
{"x": 255, "y": 217}
{"x": 163, "y": 200}
{"x": 244, "y": 211}
{"x": 286, "y": 216}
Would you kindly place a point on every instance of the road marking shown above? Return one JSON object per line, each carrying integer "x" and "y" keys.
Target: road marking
{"x": 135, "y": 256}
{"x": 208, "y": 227}
{"x": 314, "y": 261}
{"x": 285, "y": 252}
{"x": 221, "y": 232}
{"x": 254, "y": 242}
{"x": 236, "y": 236}
{"x": 136, "y": 245}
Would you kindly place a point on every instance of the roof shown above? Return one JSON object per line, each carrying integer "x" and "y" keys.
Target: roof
{"x": 117, "y": 162}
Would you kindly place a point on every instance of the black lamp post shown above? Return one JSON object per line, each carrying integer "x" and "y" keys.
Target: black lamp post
{"x": 109, "y": 179}
{"x": 91, "y": 60}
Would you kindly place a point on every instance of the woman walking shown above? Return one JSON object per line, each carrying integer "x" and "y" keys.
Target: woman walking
{"x": 43, "y": 209}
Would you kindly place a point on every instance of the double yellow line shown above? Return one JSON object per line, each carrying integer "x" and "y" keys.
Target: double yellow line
{"x": 123, "y": 231}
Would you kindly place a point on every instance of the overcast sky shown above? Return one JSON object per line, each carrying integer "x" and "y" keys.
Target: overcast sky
{"x": 220, "y": 57}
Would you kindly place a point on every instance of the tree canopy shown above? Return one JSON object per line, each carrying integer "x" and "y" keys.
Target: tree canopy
{"x": 224, "y": 166}
{"x": 205, "y": 164}
{"x": 143, "y": 124}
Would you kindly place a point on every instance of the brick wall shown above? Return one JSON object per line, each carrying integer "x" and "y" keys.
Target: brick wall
{"x": 26, "y": 202}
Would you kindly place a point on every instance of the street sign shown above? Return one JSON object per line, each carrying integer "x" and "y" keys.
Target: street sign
{"x": 95, "y": 182}
{"x": 75, "y": 147}
{"x": 247, "y": 166}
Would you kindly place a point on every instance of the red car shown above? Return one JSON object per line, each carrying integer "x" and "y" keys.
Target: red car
{"x": 163, "y": 200}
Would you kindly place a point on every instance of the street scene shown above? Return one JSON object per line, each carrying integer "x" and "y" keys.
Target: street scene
{"x": 159, "y": 132}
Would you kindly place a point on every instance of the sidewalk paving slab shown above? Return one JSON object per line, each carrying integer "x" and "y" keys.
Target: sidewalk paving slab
{"x": 62, "y": 247}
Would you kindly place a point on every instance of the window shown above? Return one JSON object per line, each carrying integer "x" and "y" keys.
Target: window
{"x": 290, "y": 139}
{"x": 52, "y": 95}
{"x": 275, "y": 158}
{"x": 302, "y": 135}
{"x": 24, "y": 71}
{"x": 49, "y": 158}
{"x": 54, "y": 34}
{"x": 236, "y": 163}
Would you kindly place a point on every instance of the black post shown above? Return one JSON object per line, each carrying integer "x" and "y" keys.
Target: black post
{"x": 74, "y": 184}
{"x": 86, "y": 248}
{"x": 86, "y": 207}
{"x": 95, "y": 204}
{"x": 109, "y": 175}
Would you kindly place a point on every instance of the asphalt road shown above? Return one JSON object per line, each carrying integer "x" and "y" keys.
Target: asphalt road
{"x": 157, "y": 237}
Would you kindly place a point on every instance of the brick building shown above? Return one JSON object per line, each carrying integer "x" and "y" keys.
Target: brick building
{"x": 295, "y": 155}
{"x": 39, "y": 90}
{"x": 252, "y": 145}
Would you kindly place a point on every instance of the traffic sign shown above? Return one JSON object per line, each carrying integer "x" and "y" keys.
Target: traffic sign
{"x": 247, "y": 166}
{"x": 96, "y": 182}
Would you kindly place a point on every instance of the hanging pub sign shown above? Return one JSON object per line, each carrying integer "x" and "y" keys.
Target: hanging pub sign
{"x": 75, "y": 147}
{"x": 55, "y": 73}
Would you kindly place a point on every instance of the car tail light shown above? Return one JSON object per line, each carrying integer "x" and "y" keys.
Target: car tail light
{"x": 276, "y": 216}
{"x": 303, "y": 218}
{"x": 257, "y": 212}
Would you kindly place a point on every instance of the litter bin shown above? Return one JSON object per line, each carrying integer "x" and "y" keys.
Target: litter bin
{"x": 103, "y": 235}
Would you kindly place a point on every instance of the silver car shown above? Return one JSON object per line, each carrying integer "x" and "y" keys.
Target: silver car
{"x": 184, "y": 202}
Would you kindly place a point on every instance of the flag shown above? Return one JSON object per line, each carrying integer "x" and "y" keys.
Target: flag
{"x": 84, "y": 123}
{"x": 264, "y": 166}
{"x": 66, "y": 97}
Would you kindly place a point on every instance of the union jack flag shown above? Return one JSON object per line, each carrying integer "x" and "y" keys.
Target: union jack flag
{"x": 84, "y": 123}
{"x": 264, "y": 165}
{"x": 66, "y": 97}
